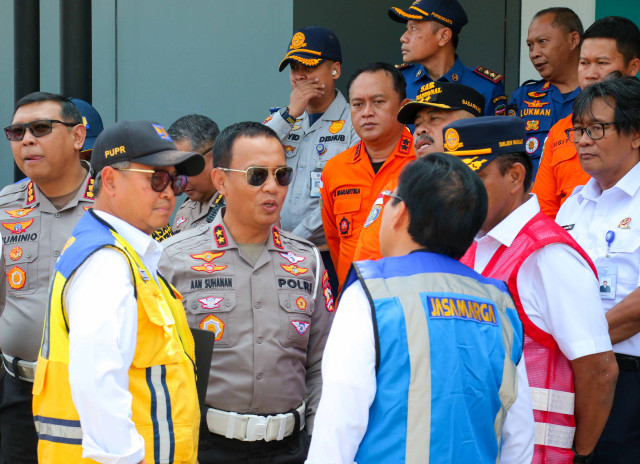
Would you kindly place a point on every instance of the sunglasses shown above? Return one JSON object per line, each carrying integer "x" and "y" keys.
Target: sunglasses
{"x": 257, "y": 175}
{"x": 38, "y": 128}
{"x": 160, "y": 179}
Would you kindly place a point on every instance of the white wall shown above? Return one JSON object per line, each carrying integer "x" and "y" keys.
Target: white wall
{"x": 585, "y": 9}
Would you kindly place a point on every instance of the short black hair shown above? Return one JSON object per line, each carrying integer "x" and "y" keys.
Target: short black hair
{"x": 506, "y": 160}
{"x": 565, "y": 18}
{"x": 200, "y": 131}
{"x": 399, "y": 84}
{"x": 68, "y": 112}
{"x": 623, "y": 92}
{"x": 222, "y": 148}
{"x": 447, "y": 203}
{"x": 622, "y": 30}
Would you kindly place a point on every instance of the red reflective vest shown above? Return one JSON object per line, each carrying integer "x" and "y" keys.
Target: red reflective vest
{"x": 549, "y": 371}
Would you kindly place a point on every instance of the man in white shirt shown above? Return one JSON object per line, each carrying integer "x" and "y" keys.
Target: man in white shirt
{"x": 414, "y": 375}
{"x": 115, "y": 381}
{"x": 570, "y": 365}
{"x": 602, "y": 217}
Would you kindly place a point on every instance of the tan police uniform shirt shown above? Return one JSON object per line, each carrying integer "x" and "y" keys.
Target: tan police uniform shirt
{"x": 33, "y": 235}
{"x": 193, "y": 213}
{"x": 271, "y": 319}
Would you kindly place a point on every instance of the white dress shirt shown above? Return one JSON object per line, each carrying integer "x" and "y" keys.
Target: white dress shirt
{"x": 590, "y": 213}
{"x": 103, "y": 322}
{"x": 558, "y": 290}
{"x": 349, "y": 388}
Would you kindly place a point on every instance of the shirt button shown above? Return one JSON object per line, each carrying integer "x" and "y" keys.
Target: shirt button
{"x": 56, "y": 253}
{"x": 259, "y": 376}
{"x": 194, "y": 305}
{"x": 227, "y": 303}
{"x": 194, "y": 225}
{"x": 286, "y": 304}
{"x": 258, "y": 306}
{"x": 259, "y": 340}
{"x": 57, "y": 215}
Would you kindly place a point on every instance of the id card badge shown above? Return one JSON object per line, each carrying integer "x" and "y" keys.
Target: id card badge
{"x": 608, "y": 279}
{"x": 316, "y": 183}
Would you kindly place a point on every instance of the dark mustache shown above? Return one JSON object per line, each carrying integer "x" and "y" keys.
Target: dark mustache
{"x": 421, "y": 137}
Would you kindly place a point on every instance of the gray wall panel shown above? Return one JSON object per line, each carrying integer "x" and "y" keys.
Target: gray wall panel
{"x": 6, "y": 86}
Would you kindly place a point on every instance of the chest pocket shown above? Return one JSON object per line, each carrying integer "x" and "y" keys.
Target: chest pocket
{"x": 343, "y": 209}
{"x": 214, "y": 311}
{"x": 626, "y": 243}
{"x": 21, "y": 267}
{"x": 295, "y": 320}
{"x": 158, "y": 342}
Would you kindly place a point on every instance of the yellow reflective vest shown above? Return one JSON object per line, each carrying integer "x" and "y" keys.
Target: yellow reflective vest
{"x": 165, "y": 406}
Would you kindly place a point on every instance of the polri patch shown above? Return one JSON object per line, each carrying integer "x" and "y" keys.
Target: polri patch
{"x": 18, "y": 213}
{"x": 213, "y": 324}
{"x": 16, "y": 278}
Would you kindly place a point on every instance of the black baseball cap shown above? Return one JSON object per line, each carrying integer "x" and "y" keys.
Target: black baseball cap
{"x": 91, "y": 120}
{"x": 445, "y": 95}
{"x": 447, "y": 12}
{"x": 478, "y": 141}
{"x": 311, "y": 46}
{"x": 145, "y": 142}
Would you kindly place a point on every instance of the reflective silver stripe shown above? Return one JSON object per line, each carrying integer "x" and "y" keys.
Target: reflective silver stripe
{"x": 561, "y": 402}
{"x": 62, "y": 431}
{"x": 161, "y": 413}
{"x": 559, "y": 436}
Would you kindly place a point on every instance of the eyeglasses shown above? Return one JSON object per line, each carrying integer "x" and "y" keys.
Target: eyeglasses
{"x": 595, "y": 131}
{"x": 387, "y": 195}
{"x": 160, "y": 179}
{"x": 38, "y": 128}
{"x": 257, "y": 175}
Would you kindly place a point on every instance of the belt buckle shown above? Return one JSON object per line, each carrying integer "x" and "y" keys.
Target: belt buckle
{"x": 256, "y": 428}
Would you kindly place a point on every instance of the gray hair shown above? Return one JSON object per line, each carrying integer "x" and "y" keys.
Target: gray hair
{"x": 97, "y": 182}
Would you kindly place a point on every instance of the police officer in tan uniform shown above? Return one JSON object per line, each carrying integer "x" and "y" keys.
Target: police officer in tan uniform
{"x": 37, "y": 216}
{"x": 264, "y": 294}
{"x": 196, "y": 133}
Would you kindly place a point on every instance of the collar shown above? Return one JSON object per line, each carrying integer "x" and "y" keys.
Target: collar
{"x": 507, "y": 231}
{"x": 36, "y": 197}
{"x": 146, "y": 247}
{"x": 336, "y": 108}
{"x": 557, "y": 96}
{"x": 457, "y": 69}
{"x": 403, "y": 148}
{"x": 629, "y": 184}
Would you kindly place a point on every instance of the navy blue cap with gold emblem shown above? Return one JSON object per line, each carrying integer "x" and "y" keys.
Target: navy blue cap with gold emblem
{"x": 444, "y": 95}
{"x": 91, "y": 120}
{"x": 311, "y": 46}
{"x": 478, "y": 141}
{"x": 447, "y": 12}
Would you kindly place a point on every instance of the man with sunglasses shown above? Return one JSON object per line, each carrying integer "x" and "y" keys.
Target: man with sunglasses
{"x": 115, "y": 379}
{"x": 197, "y": 133}
{"x": 265, "y": 295}
{"x": 567, "y": 350}
{"x": 37, "y": 216}
{"x": 603, "y": 218}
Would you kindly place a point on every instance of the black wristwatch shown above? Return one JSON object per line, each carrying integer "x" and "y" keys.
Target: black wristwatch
{"x": 581, "y": 458}
{"x": 284, "y": 112}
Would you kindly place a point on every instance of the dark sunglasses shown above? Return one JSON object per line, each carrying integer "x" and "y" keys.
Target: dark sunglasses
{"x": 257, "y": 175}
{"x": 160, "y": 179}
{"x": 38, "y": 128}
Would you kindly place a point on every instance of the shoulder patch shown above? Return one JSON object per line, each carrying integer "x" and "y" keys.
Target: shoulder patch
{"x": 220, "y": 235}
{"x": 403, "y": 65}
{"x": 488, "y": 74}
{"x": 276, "y": 238}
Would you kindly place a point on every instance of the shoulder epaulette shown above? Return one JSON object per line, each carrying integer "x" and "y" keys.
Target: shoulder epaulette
{"x": 182, "y": 237}
{"x": 403, "y": 65}
{"x": 16, "y": 189}
{"x": 488, "y": 74}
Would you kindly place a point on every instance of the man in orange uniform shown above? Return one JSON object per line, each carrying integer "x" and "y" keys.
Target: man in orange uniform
{"x": 437, "y": 105}
{"x": 353, "y": 179}
{"x": 611, "y": 44}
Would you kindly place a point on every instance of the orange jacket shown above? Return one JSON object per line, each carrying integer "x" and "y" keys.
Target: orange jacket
{"x": 368, "y": 246}
{"x": 560, "y": 171}
{"x": 349, "y": 188}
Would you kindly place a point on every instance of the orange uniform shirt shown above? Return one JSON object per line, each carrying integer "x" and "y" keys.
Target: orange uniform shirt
{"x": 349, "y": 188}
{"x": 560, "y": 171}
{"x": 368, "y": 246}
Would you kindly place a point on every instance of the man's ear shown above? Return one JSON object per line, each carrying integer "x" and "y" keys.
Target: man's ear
{"x": 78, "y": 132}
{"x": 400, "y": 219}
{"x": 108, "y": 184}
{"x": 444, "y": 36}
{"x": 516, "y": 175}
{"x": 219, "y": 180}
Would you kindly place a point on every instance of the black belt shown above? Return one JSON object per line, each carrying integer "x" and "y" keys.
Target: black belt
{"x": 626, "y": 362}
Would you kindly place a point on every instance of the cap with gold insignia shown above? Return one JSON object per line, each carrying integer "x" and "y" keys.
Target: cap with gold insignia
{"x": 445, "y": 95}
{"x": 447, "y": 12}
{"x": 144, "y": 142}
{"x": 310, "y": 46}
{"x": 478, "y": 141}
{"x": 91, "y": 120}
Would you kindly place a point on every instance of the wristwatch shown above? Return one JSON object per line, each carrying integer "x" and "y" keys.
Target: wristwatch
{"x": 284, "y": 112}
{"x": 581, "y": 458}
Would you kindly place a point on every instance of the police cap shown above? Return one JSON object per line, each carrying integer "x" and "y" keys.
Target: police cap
{"x": 447, "y": 12}
{"x": 310, "y": 46}
{"x": 478, "y": 141}
{"x": 91, "y": 120}
{"x": 445, "y": 95}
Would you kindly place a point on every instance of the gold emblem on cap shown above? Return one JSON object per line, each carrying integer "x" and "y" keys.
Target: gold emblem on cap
{"x": 455, "y": 77}
{"x": 298, "y": 41}
{"x": 452, "y": 140}
{"x": 474, "y": 163}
